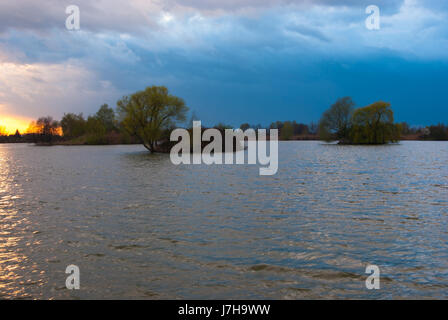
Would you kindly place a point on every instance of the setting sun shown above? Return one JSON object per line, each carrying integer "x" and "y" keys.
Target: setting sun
{"x": 9, "y": 124}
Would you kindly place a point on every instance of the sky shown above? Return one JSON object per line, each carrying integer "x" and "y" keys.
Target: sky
{"x": 233, "y": 61}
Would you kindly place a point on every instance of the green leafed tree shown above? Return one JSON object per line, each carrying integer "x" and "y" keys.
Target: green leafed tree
{"x": 335, "y": 122}
{"x": 73, "y": 125}
{"x": 287, "y": 131}
{"x": 106, "y": 116}
{"x": 150, "y": 114}
{"x": 374, "y": 124}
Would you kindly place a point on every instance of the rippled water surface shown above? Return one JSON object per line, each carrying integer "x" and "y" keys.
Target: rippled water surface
{"x": 140, "y": 227}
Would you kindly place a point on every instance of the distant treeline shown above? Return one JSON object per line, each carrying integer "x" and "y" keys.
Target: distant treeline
{"x": 98, "y": 129}
{"x": 289, "y": 130}
{"x": 438, "y": 132}
{"x": 102, "y": 128}
{"x": 128, "y": 125}
{"x": 372, "y": 124}
{"x": 74, "y": 129}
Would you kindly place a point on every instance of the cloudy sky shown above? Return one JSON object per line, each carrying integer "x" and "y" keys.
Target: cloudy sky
{"x": 232, "y": 61}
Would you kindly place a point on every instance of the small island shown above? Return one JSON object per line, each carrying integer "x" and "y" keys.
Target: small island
{"x": 148, "y": 117}
{"x": 370, "y": 125}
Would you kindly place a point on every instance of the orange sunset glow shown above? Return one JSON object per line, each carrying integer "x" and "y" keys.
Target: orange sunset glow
{"x": 9, "y": 124}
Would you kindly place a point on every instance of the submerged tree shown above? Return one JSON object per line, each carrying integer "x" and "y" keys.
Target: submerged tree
{"x": 374, "y": 124}
{"x": 149, "y": 114}
{"x": 335, "y": 122}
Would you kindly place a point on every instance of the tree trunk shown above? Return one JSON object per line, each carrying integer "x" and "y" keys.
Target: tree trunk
{"x": 148, "y": 146}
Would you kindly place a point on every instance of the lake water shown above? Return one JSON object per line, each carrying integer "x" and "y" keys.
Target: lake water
{"x": 139, "y": 227}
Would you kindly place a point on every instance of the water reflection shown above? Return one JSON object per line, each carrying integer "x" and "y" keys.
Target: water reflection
{"x": 139, "y": 227}
{"x": 12, "y": 224}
